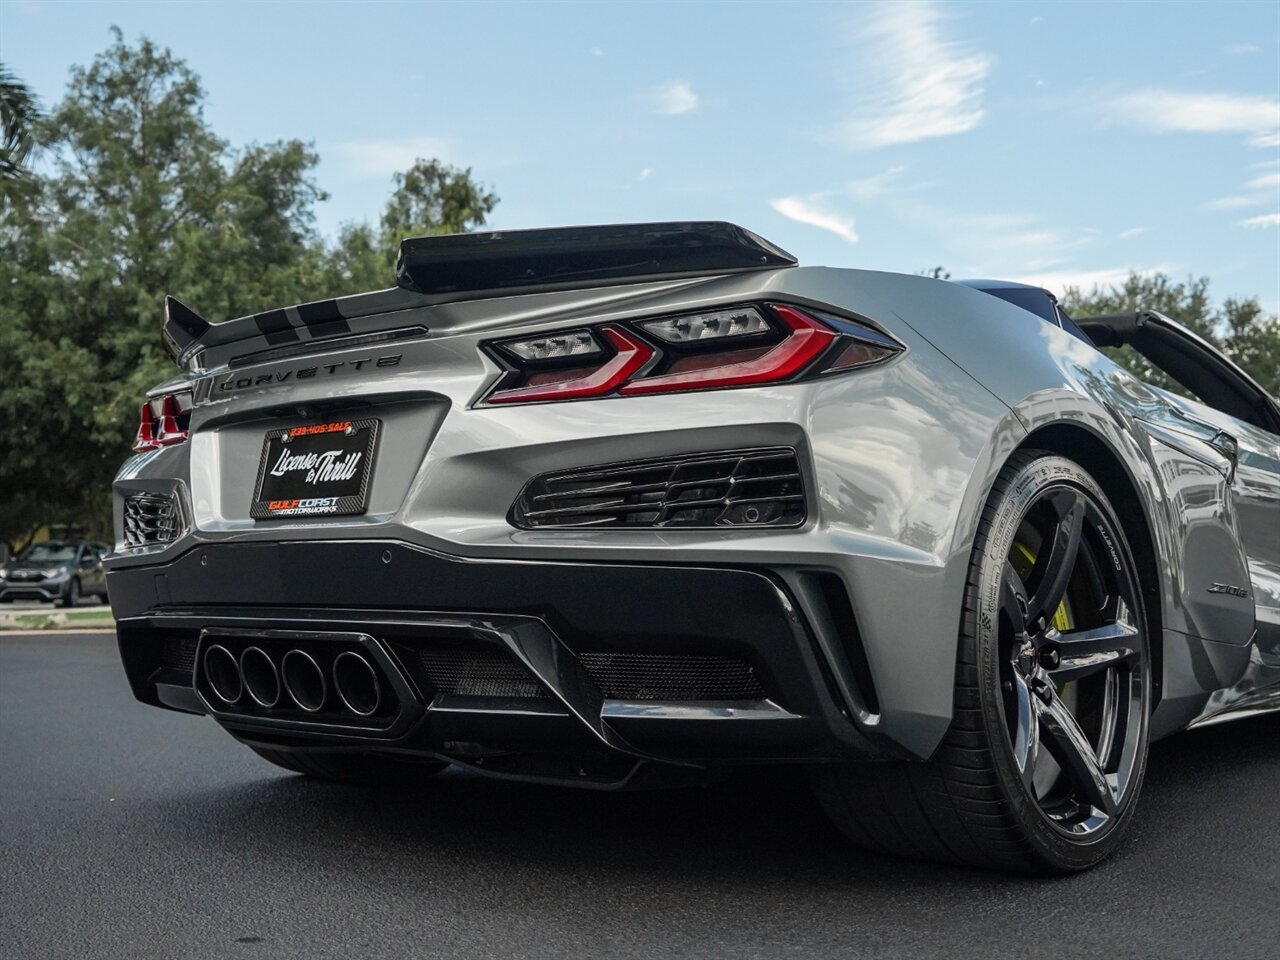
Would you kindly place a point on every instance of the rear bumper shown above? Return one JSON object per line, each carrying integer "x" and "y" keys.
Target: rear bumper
{"x": 552, "y": 619}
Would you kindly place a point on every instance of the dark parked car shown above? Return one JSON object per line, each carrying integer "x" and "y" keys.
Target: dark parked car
{"x": 55, "y": 570}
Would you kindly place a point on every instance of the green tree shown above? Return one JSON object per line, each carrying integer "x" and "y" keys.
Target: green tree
{"x": 18, "y": 117}
{"x": 143, "y": 199}
{"x": 429, "y": 198}
{"x": 1240, "y": 328}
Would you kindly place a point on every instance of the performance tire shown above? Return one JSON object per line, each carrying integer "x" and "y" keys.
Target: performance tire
{"x": 1045, "y": 757}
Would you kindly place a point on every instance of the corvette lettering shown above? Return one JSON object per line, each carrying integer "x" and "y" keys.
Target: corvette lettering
{"x": 306, "y": 373}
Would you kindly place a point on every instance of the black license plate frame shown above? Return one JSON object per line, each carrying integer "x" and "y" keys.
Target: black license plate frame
{"x": 295, "y": 457}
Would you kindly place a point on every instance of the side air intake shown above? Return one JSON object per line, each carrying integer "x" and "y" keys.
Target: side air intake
{"x": 749, "y": 488}
{"x": 150, "y": 520}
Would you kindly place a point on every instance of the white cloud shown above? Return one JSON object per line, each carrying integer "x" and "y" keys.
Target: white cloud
{"x": 673, "y": 98}
{"x": 1241, "y": 49}
{"x": 1172, "y": 110}
{"x": 1084, "y": 279}
{"x": 367, "y": 159}
{"x": 1266, "y": 220}
{"x": 925, "y": 86}
{"x": 1234, "y": 202}
{"x": 1133, "y": 232}
{"x": 808, "y": 211}
{"x": 646, "y": 173}
{"x": 1262, "y": 190}
{"x": 1268, "y": 181}
{"x": 597, "y": 52}
{"x": 875, "y": 186}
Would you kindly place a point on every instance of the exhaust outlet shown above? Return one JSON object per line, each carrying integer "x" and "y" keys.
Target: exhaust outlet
{"x": 357, "y": 683}
{"x": 303, "y": 680}
{"x": 223, "y": 672}
{"x": 261, "y": 678}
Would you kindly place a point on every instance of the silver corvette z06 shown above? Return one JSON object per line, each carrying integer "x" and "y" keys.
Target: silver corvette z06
{"x": 626, "y": 505}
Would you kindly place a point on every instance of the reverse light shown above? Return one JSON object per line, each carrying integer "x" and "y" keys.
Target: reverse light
{"x": 716, "y": 325}
{"x": 748, "y": 345}
{"x": 163, "y": 422}
{"x": 560, "y": 346}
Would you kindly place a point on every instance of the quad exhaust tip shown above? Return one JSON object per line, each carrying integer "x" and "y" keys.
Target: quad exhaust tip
{"x": 260, "y": 676}
{"x": 357, "y": 683}
{"x": 224, "y": 674}
{"x": 296, "y": 680}
{"x": 304, "y": 680}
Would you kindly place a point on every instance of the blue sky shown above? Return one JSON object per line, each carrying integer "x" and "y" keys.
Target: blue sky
{"x": 1052, "y": 142}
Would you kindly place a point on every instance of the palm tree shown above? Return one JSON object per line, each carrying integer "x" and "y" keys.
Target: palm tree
{"x": 18, "y": 115}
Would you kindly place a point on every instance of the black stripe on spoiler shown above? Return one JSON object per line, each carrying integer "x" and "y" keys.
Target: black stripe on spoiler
{"x": 517, "y": 261}
{"x": 472, "y": 266}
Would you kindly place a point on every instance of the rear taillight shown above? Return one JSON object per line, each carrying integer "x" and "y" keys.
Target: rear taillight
{"x": 163, "y": 421}
{"x": 741, "y": 346}
{"x": 610, "y": 372}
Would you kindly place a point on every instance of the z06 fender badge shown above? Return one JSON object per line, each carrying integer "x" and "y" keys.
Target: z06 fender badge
{"x": 1228, "y": 588}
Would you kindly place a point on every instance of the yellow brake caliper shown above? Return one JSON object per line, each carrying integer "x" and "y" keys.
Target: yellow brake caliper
{"x": 1061, "y": 618}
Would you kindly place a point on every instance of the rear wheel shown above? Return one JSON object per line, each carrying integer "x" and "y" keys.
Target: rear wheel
{"x": 1048, "y": 744}
{"x": 72, "y": 596}
{"x": 358, "y": 768}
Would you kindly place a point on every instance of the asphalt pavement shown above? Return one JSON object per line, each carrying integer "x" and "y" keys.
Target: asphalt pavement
{"x": 127, "y": 831}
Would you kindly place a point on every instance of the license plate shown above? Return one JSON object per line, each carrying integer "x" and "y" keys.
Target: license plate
{"x": 314, "y": 470}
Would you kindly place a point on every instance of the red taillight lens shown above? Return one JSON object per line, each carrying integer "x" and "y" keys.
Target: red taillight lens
{"x": 724, "y": 347}
{"x": 169, "y": 432}
{"x": 163, "y": 422}
{"x": 146, "y": 439}
{"x": 629, "y": 357}
{"x": 804, "y": 342}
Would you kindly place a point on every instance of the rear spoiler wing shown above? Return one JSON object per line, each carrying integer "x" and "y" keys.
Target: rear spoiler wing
{"x": 472, "y": 266}
{"x": 573, "y": 257}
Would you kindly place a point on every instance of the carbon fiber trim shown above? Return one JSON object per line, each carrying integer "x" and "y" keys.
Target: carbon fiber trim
{"x": 345, "y": 506}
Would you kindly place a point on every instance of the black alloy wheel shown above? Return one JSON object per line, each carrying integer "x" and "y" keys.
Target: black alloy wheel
{"x": 1048, "y": 744}
{"x": 1073, "y": 669}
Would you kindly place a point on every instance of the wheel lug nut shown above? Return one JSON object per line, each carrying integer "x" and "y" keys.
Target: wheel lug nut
{"x": 1050, "y": 658}
{"x": 1042, "y": 689}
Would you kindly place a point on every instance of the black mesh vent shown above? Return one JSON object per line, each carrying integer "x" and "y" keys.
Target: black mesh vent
{"x": 755, "y": 488}
{"x": 479, "y": 673}
{"x": 651, "y": 676}
{"x": 151, "y": 519}
{"x": 179, "y": 653}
